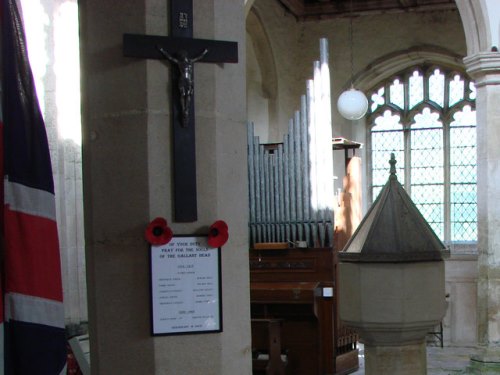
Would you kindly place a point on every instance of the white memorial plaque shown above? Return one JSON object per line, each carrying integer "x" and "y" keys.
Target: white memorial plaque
{"x": 185, "y": 287}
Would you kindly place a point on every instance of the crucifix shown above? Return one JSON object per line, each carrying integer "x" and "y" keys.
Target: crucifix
{"x": 182, "y": 51}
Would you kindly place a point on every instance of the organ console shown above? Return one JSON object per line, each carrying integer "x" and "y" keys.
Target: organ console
{"x": 293, "y": 305}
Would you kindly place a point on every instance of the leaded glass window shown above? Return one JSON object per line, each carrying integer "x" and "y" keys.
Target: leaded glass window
{"x": 426, "y": 117}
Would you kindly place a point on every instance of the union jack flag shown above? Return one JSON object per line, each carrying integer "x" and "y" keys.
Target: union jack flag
{"x": 31, "y": 310}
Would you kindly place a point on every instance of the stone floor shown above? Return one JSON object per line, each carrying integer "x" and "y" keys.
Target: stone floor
{"x": 440, "y": 361}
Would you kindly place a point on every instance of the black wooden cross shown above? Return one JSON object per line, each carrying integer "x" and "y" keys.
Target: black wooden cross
{"x": 182, "y": 51}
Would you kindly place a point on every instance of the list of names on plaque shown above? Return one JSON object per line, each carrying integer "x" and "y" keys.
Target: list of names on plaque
{"x": 185, "y": 286}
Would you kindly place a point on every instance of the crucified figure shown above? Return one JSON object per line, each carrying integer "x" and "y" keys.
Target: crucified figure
{"x": 186, "y": 85}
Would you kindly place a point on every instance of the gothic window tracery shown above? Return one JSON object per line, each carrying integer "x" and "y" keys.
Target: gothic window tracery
{"x": 426, "y": 116}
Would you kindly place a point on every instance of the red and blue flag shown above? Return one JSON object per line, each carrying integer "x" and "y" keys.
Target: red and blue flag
{"x": 31, "y": 310}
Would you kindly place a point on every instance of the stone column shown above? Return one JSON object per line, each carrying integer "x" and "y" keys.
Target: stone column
{"x": 127, "y": 150}
{"x": 484, "y": 67}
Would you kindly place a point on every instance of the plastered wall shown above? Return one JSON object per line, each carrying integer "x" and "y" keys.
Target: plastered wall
{"x": 295, "y": 45}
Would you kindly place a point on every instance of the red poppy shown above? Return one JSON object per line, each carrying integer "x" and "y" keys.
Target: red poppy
{"x": 158, "y": 232}
{"x": 218, "y": 234}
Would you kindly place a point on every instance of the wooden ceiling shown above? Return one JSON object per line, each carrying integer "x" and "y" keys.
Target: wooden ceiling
{"x": 319, "y": 9}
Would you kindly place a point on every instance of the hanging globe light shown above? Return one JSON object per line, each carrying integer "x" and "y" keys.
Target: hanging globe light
{"x": 352, "y": 104}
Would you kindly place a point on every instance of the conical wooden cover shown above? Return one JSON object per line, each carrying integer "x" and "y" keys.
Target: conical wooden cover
{"x": 393, "y": 230}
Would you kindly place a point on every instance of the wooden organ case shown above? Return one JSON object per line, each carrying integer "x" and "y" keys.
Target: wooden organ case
{"x": 296, "y": 287}
{"x": 294, "y": 300}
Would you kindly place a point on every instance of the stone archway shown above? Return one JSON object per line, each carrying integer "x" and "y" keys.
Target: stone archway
{"x": 248, "y": 6}
{"x": 262, "y": 87}
{"x": 480, "y": 19}
{"x": 393, "y": 63}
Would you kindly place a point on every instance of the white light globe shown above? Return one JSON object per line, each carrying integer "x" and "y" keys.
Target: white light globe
{"x": 352, "y": 104}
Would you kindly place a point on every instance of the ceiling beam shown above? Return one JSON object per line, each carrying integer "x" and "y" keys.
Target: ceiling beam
{"x": 319, "y": 9}
{"x": 408, "y": 3}
{"x": 296, "y": 7}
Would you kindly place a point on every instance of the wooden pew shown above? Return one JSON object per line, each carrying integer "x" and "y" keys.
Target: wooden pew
{"x": 267, "y": 355}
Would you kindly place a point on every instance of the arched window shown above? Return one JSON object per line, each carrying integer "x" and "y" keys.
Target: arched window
{"x": 426, "y": 117}
{"x": 53, "y": 47}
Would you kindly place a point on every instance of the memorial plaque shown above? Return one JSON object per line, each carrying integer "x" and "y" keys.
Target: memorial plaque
{"x": 186, "y": 287}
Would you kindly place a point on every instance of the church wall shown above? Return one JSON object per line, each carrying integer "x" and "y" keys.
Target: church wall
{"x": 295, "y": 46}
{"x": 459, "y": 324}
{"x": 127, "y": 163}
{"x": 282, "y": 31}
{"x": 257, "y": 103}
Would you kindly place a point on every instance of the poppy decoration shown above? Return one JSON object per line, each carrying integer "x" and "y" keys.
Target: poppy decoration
{"x": 158, "y": 232}
{"x": 218, "y": 234}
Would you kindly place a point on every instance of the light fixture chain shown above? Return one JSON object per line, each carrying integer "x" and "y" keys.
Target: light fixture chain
{"x": 351, "y": 44}
{"x": 352, "y": 104}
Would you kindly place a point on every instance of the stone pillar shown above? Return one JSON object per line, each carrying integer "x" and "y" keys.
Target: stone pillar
{"x": 127, "y": 162}
{"x": 484, "y": 67}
